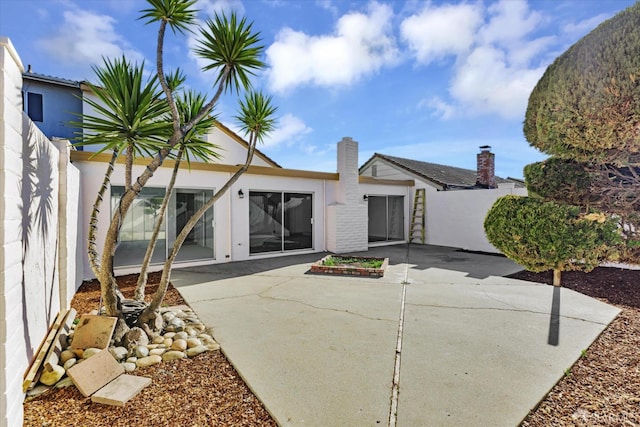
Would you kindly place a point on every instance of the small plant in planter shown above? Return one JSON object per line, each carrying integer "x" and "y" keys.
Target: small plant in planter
{"x": 351, "y": 266}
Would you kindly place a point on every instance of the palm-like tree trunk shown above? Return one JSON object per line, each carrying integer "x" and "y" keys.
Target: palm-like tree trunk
{"x": 149, "y": 313}
{"x": 93, "y": 221}
{"x": 142, "y": 278}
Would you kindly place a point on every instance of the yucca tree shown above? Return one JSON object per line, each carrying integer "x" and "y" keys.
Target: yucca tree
{"x": 130, "y": 118}
{"x": 192, "y": 146}
{"x": 256, "y": 117}
{"x": 231, "y": 49}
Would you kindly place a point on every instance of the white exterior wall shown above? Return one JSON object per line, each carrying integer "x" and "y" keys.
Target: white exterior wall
{"x": 230, "y": 212}
{"x": 231, "y": 151}
{"x": 12, "y": 329}
{"x": 456, "y": 218}
{"x": 32, "y": 291}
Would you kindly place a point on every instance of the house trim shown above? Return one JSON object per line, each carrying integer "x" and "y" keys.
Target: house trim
{"x": 372, "y": 180}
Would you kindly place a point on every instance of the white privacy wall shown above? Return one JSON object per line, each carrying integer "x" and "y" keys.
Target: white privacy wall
{"x": 456, "y": 218}
{"x": 32, "y": 291}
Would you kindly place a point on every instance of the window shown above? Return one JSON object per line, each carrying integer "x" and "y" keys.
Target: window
{"x": 34, "y": 107}
{"x": 374, "y": 170}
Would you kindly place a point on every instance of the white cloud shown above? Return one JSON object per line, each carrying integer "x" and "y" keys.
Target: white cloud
{"x": 85, "y": 37}
{"x": 211, "y": 7}
{"x": 436, "y": 32}
{"x": 510, "y": 21}
{"x": 486, "y": 84}
{"x": 360, "y": 45}
{"x": 288, "y": 131}
{"x": 494, "y": 69}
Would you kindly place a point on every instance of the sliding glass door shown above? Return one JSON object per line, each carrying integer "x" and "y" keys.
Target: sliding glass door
{"x": 280, "y": 221}
{"x": 386, "y": 218}
{"x": 138, "y": 224}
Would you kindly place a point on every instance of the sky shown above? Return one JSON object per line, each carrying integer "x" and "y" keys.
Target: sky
{"x": 425, "y": 80}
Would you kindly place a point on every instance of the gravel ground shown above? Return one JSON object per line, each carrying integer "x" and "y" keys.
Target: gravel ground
{"x": 602, "y": 388}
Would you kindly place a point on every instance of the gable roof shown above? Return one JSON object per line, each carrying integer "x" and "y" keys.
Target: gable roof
{"x": 446, "y": 177}
{"x": 245, "y": 144}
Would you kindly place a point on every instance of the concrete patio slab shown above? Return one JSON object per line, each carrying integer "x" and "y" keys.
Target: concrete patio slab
{"x": 477, "y": 349}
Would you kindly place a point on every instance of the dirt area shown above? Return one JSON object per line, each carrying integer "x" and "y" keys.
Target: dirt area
{"x": 201, "y": 391}
{"x": 602, "y": 388}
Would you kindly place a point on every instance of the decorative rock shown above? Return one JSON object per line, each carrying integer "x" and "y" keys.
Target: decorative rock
{"x": 158, "y": 339}
{"x": 179, "y": 345}
{"x": 200, "y": 327}
{"x": 148, "y": 361}
{"x": 65, "y": 382}
{"x": 135, "y": 337}
{"x": 193, "y": 342}
{"x": 191, "y": 331}
{"x": 168, "y": 341}
{"x": 196, "y": 350}
{"x": 66, "y": 355}
{"x": 78, "y": 352}
{"x": 119, "y": 353}
{"x": 69, "y": 363}
{"x": 181, "y": 336}
{"x": 39, "y": 389}
{"x": 53, "y": 376}
{"x": 168, "y": 316}
{"x": 177, "y": 323}
{"x": 173, "y": 355}
{"x": 132, "y": 359}
{"x": 213, "y": 346}
{"x": 169, "y": 335}
{"x": 142, "y": 351}
{"x": 158, "y": 351}
{"x": 88, "y": 352}
{"x": 152, "y": 346}
{"x": 129, "y": 367}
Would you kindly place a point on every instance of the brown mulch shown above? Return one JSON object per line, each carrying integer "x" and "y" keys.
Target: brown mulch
{"x": 603, "y": 387}
{"x": 202, "y": 391}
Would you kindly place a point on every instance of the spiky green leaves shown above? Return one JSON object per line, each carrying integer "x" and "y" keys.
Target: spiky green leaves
{"x": 256, "y": 115}
{"x": 177, "y": 14}
{"x": 194, "y": 145}
{"x": 586, "y": 106}
{"x": 546, "y": 236}
{"x": 232, "y": 49}
{"x": 129, "y": 110}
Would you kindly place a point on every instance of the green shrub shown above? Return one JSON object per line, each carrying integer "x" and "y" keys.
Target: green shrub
{"x": 560, "y": 180}
{"x": 586, "y": 106}
{"x": 547, "y": 236}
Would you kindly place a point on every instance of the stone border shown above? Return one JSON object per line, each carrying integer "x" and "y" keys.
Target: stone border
{"x": 320, "y": 268}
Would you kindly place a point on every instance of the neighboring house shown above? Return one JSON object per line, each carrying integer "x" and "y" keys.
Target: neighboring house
{"x": 51, "y": 102}
{"x": 449, "y": 203}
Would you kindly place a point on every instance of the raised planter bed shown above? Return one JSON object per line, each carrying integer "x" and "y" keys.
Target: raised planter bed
{"x": 350, "y": 266}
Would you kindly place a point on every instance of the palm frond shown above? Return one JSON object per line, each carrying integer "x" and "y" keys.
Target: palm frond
{"x": 256, "y": 115}
{"x": 232, "y": 49}
{"x": 179, "y": 15}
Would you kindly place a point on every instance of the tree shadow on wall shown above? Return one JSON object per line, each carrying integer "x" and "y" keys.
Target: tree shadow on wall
{"x": 37, "y": 212}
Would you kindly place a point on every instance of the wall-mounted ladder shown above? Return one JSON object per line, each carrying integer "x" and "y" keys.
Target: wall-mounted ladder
{"x": 417, "y": 233}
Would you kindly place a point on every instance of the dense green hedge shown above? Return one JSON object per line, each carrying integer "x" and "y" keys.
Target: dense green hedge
{"x": 547, "y": 236}
{"x": 586, "y": 106}
{"x": 561, "y": 180}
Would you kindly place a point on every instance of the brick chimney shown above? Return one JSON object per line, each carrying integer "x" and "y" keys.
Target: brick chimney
{"x": 486, "y": 168}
